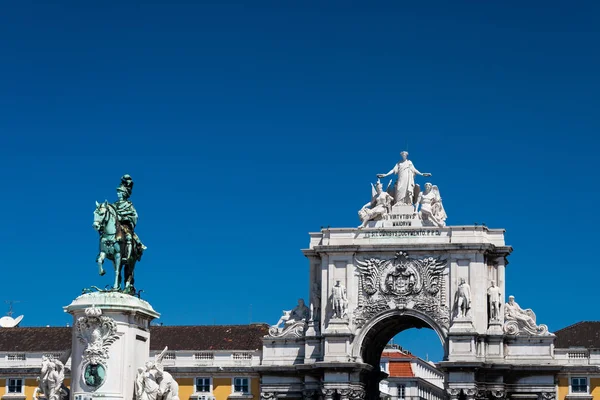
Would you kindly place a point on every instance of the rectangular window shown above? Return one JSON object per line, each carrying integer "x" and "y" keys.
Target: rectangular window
{"x": 15, "y": 385}
{"x": 241, "y": 385}
{"x": 203, "y": 385}
{"x": 579, "y": 385}
{"x": 242, "y": 356}
{"x": 204, "y": 356}
{"x": 401, "y": 392}
{"x": 17, "y": 357}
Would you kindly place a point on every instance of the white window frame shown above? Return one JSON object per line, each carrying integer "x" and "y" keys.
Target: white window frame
{"x": 249, "y": 392}
{"x": 15, "y": 393}
{"x": 210, "y": 385}
{"x": 587, "y": 386}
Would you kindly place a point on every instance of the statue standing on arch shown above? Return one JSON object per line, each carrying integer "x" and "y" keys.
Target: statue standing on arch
{"x": 495, "y": 301}
{"x": 463, "y": 299}
{"x": 118, "y": 242}
{"x": 405, "y": 183}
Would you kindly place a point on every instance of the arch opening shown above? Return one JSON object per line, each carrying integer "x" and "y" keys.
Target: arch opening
{"x": 375, "y": 337}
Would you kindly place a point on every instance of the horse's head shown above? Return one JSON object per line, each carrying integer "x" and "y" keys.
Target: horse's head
{"x": 100, "y": 215}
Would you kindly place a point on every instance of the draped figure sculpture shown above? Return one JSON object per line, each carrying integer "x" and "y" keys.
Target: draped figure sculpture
{"x": 154, "y": 383}
{"x": 380, "y": 204}
{"x": 432, "y": 209}
{"x": 520, "y": 321}
{"x": 405, "y": 183}
{"x": 51, "y": 378}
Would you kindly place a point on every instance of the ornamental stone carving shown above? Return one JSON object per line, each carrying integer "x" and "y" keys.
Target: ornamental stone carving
{"x": 498, "y": 394}
{"x": 470, "y": 393}
{"x": 268, "y": 395}
{"x": 294, "y": 322}
{"x": 51, "y": 379}
{"x": 519, "y": 321}
{"x": 401, "y": 282}
{"x": 453, "y": 393}
{"x": 357, "y": 394}
{"x": 97, "y": 332}
{"x": 548, "y": 395}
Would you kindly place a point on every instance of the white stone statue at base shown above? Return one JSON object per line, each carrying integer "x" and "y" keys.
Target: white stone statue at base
{"x": 154, "y": 383}
{"x": 339, "y": 301}
{"x": 51, "y": 378}
{"x": 380, "y": 205}
{"x": 432, "y": 209}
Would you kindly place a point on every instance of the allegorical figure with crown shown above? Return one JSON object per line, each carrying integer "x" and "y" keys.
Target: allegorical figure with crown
{"x": 118, "y": 241}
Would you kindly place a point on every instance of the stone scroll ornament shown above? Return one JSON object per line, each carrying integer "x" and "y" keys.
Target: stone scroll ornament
{"x": 97, "y": 332}
{"x": 401, "y": 282}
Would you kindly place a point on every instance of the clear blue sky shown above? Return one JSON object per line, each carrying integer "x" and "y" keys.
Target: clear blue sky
{"x": 247, "y": 125}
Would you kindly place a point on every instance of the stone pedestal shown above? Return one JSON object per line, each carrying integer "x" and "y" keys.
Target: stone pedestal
{"x": 111, "y": 339}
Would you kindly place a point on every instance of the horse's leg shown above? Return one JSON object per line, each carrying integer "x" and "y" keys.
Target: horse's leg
{"x": 100, "y": 261}
{"x": 117, "y": 263}
{"x": 128, "y": 274}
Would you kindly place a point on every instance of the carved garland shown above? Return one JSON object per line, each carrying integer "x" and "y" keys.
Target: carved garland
{"x": 401, "y": 282}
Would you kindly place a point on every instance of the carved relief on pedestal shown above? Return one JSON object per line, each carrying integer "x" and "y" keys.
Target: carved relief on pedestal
{"x": 401, "y": 282}
{"x": 97, "y": 332}
{"x": 520, "y": 321}
{"x": 548, "y": 395}
{"x": 498, "y": 394}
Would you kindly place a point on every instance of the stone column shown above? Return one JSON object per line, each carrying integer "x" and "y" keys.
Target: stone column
{"x": 111, "y": 339}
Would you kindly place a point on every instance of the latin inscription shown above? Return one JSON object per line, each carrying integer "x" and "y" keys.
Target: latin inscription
{"x": 400, "y": 219}
{"x": 417, "y": 232}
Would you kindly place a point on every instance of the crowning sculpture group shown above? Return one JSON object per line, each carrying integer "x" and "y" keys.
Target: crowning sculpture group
{"x": 404, "y": 193}
{"x": 426, "y": 205}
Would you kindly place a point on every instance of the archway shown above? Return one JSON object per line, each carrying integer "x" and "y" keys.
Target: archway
{"x": 376, "y": 334}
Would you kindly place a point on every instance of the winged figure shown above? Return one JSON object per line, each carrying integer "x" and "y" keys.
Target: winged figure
{"x": 154, "y": 383}
{"x": 380, "y": 205}
{"x": 431, "y": 206}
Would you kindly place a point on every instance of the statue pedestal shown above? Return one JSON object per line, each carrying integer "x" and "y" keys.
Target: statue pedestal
{"x": 111, "y": 339}
{"x": 462, "y": 325}
{"x": 495, "y": 328}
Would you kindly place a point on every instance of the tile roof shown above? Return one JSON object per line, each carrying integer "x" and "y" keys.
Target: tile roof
{"x": 397, "y": 354}
{"x": 198, "y": 337}
{"x": 400, "y": 369}
{"x": 208, "y": 337}
{"x": 582, "y": 334}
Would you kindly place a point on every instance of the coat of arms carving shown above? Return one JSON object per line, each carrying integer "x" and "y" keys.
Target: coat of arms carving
{"x": 97, "y": 332}
{"x": 401, "y": 282}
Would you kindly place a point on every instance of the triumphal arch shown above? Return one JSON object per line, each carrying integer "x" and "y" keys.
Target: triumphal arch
{"x": 404, "y": 267}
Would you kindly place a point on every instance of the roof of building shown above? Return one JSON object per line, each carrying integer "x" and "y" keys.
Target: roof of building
{"x": 397, "y": 354}
{"x": 198, "y": 337}
{"x": 582, "y": 334}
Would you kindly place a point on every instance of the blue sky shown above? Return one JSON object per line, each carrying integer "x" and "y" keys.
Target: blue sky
{"x": 247, "y": 125}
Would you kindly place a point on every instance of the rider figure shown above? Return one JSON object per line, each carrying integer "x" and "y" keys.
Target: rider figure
{"x": 128, "y": 215}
